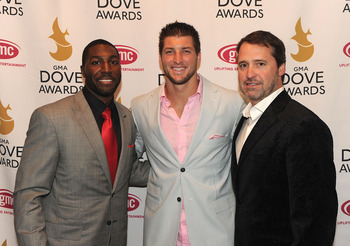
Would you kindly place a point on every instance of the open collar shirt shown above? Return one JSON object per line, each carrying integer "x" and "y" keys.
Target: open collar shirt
{"x": 179, "y": 132}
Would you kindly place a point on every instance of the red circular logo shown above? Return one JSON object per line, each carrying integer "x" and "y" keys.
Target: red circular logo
{"x": 346, "y": 49}
{"x": 6, "y": 199}
{"x": 133, "y": 202}
{"x": 228, "y": 54}
{"x": 127, "y": 54}
{"x": 345, "y": 208}
{"x": 8, "y": 49}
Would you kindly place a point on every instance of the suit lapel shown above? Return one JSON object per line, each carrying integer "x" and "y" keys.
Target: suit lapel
{"x": 125, "y": 123}
{"x": 88, "y": 123}
{"x": 210, "y": 103}
{"x": 267, "y": 119}
{"x": 153, "y": 108}
{"x": 235, "y": 135}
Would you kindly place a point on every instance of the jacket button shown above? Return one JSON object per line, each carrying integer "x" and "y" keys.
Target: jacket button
{"x": 182, "y": 169}
{"x": 179, "y": 199}
{"x": 109, "y": 222}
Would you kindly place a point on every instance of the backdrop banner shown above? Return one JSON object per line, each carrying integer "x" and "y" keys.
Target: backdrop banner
{"x": 41, "y": 44}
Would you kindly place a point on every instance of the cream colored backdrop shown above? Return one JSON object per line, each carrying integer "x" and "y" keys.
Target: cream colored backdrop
{"x": 40, "y": 53}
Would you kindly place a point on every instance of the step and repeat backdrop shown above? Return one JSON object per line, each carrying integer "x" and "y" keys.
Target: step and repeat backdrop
{"x": 41, "y": 43}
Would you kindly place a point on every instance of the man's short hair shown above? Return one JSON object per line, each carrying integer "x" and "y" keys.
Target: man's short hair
{"x": 269, "y": 40}
{"x": 93, "y": 43}
{"x": 179, "y": 29}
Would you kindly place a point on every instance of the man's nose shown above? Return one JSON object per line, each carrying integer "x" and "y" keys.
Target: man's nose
{"x": 105, "y": 66}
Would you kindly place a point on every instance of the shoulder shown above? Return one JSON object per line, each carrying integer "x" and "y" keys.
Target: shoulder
{"x": 122, "y": 109}
{"x": 300, "y": 117}
{"x": 225, "y": 93}
{"x": 297, "y": 110}
{"x": 57, "y": 106}
{"x": 140, "y": 100}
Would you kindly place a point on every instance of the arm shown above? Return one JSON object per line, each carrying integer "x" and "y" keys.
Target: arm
{"x": 140, "y": 169}
{"x": 34, "y": 180}
{"x": 311, "y": 177}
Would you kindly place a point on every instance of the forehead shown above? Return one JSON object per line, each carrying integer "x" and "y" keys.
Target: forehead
{"x": 178, "y": 41}
{"x": 102, "y": 50}
{"x": 254, "y": 52}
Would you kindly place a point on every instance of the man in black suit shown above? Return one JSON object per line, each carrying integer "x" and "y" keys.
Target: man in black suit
{"x": 282, "y": 163}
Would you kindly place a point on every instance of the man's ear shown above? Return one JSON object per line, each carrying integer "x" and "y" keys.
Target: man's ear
{"x": 82, "y": 71}
{"x": 282, "y": 69}
{"x": 160, "y": 63}
{"x": 199, "y": 58}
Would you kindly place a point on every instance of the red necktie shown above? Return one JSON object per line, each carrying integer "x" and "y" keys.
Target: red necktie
{"x": 110, "y": 142}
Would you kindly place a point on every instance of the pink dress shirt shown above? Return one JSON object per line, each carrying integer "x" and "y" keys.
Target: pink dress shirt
{"x": 179, "y": 132}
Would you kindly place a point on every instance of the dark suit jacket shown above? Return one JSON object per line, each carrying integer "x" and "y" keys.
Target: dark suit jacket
{"x": 63, "y": 193}
{"x": 285, "y": 179}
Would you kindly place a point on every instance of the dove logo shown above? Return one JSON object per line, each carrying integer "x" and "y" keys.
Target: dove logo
{"x": 6, "y": 199}
{"x": 8, "y": 50}
{"x": 133, "y": 202}
{"x": 64, "y": 48}
{"x": 306, "y": 48}
{"x": 6, "y": 122}
{"x": 127, "y": 54}
{"x": 228, "y": 54}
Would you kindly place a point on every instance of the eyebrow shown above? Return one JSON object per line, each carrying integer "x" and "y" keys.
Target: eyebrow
{"x": 256, "y": 60}
{"x": 100, "y": 57}
{"x": 183, "y": 48}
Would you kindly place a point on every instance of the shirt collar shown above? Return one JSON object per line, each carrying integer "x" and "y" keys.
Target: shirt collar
{"x": 199, "y": 91}
{"x": 96, "y": 105}
{"x": 256, "y": 111}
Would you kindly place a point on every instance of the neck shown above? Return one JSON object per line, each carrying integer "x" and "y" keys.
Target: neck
{"x": 178, "y": 94}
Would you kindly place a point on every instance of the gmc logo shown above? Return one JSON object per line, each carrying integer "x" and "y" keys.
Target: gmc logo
{"x": 228, "y": 54}
{"x": 8, "y": 49}
{"x": 346, "y": 49}
{"x": 345, "y": 208}
{"x": 127, "y": 54}
{"x": 133, "y": 202}
{"x": 6, "y": 199}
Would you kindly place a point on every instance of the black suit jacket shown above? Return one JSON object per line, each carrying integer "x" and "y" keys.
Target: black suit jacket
{"x": 285, "y": 179}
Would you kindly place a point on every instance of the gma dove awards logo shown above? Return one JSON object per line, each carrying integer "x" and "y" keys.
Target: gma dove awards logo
{"x": 64, "y": 48}
{"x": 6, "y": 122}
{"x": 60, "y": 79}
{"x": 302, "y": 80}
{"x": 306, "y": 48}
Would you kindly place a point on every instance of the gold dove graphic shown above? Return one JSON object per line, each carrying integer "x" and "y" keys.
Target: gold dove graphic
{"x": 64, "y": 48}
{"x": 6, "y": 122}
{"x": 4, "y": 243}
{"x": 306, "y": 48}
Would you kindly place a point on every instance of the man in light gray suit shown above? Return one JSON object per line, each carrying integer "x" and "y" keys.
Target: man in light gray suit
{"x": 64, "y": 193}
{"x": 186, "y": 127}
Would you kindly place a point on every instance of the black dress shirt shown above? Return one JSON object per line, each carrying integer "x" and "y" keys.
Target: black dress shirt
{"x": 97, "y": 108}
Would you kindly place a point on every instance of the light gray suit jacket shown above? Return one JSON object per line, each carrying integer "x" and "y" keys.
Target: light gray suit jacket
{"x": 63, "y": 193}
{"x": 202, "y": 181}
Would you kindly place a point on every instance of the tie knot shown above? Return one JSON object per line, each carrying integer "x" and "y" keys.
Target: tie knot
{"x": 106, "y": 115}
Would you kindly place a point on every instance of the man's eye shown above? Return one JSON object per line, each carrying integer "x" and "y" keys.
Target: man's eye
{"x": 116, "y": 62}
{"x": 95, "y": 62}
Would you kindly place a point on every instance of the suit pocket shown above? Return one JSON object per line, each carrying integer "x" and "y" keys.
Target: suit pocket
{"x": 66, "y": 232}
{"x": 224, "y": 203}
{"x": 153, "y": 196}
{"x": 70, "y": 215}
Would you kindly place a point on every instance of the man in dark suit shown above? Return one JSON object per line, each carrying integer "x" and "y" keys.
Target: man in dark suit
{"x": 282, "y": 163}
{"x": 68, "y": 191}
